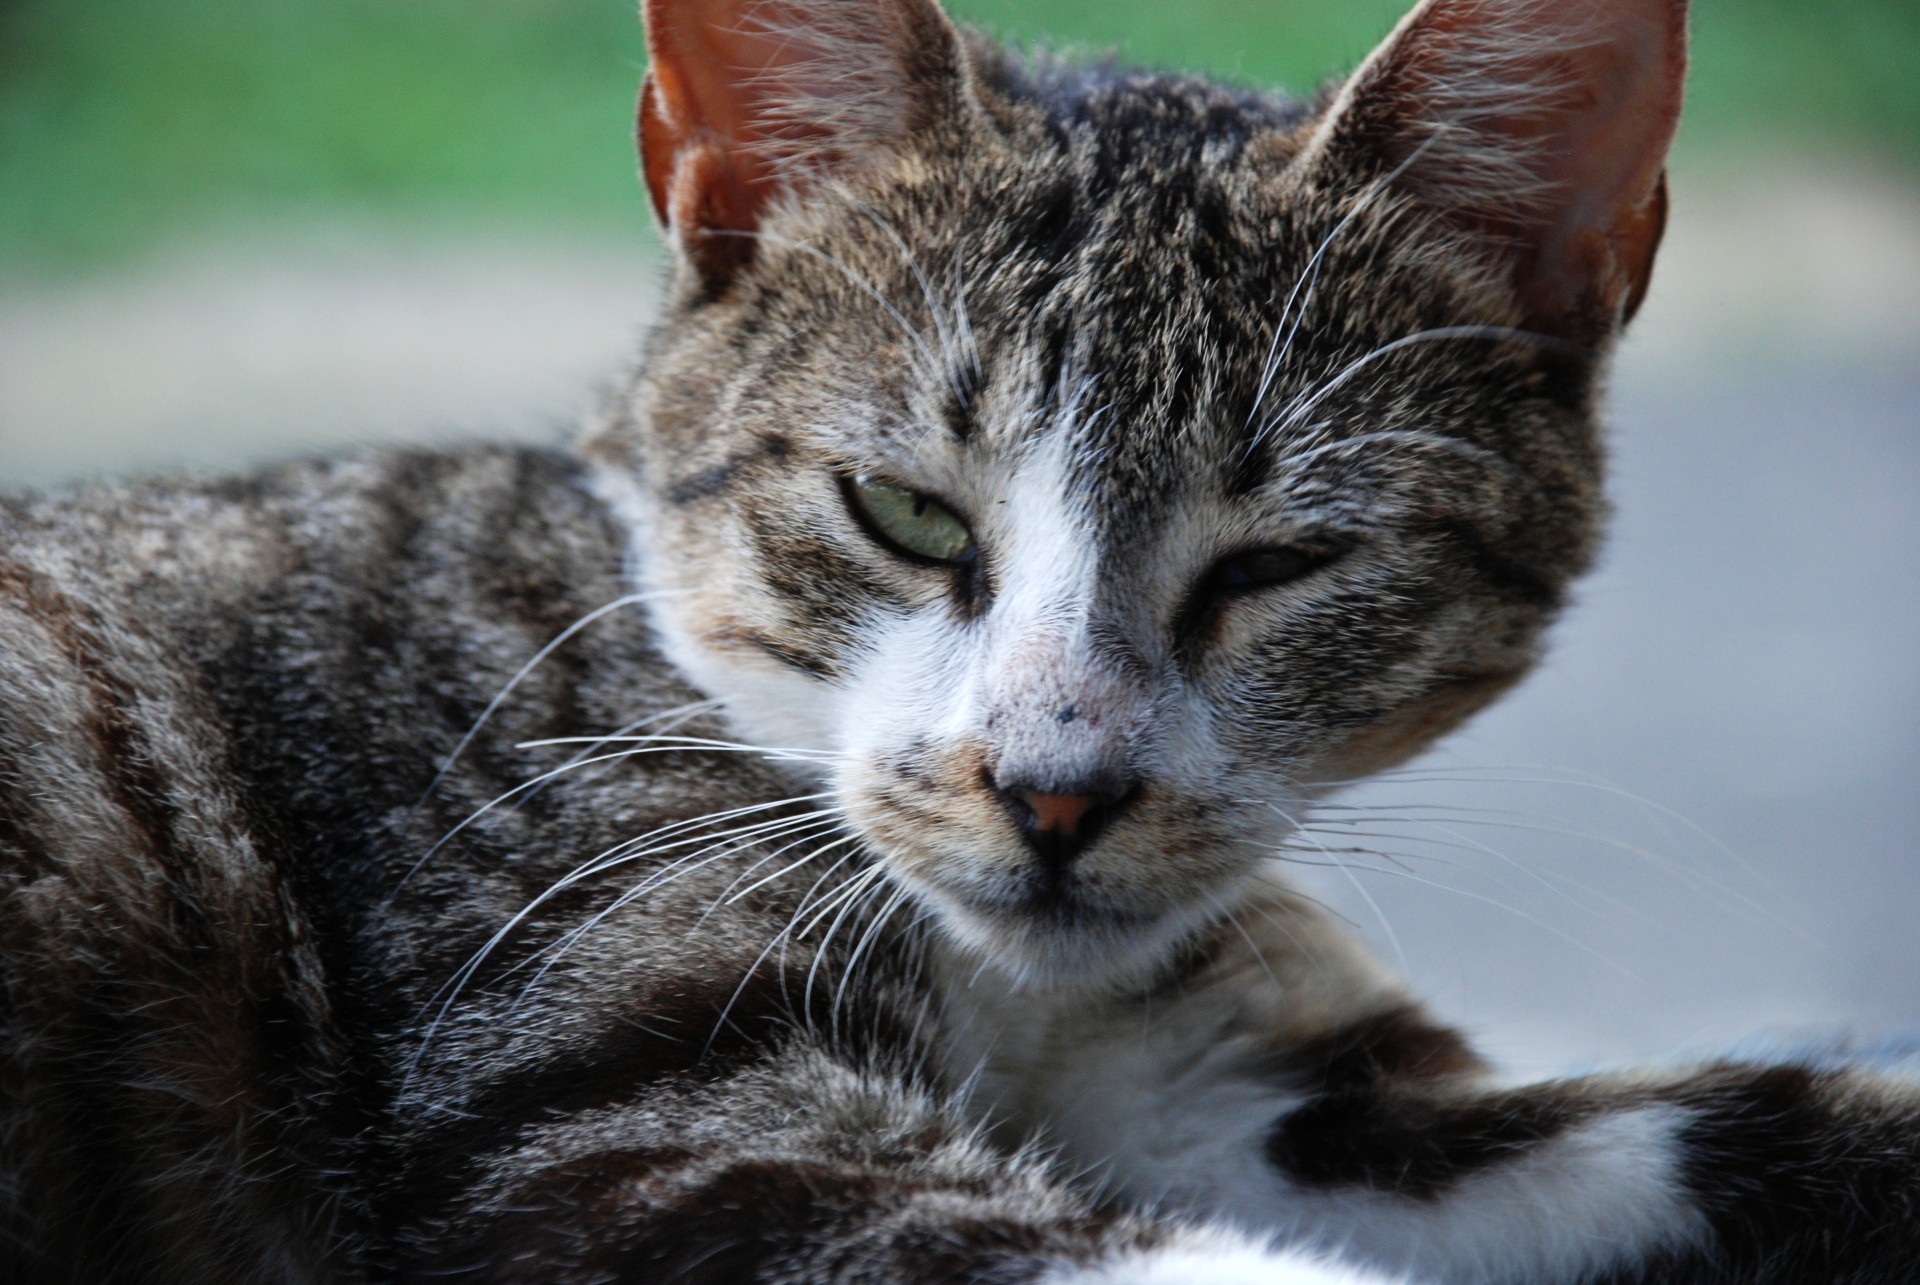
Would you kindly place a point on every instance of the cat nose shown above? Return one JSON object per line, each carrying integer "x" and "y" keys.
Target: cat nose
{"x": 1060, "y": 826}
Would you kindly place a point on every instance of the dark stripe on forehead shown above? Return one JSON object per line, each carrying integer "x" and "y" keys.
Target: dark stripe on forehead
{"x": 956, "y": 404}
{"x": 1053, "y": 223}
{"x": 720, "y": 477}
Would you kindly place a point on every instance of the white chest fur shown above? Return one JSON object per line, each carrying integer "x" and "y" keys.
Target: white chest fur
{"x": 1169, "y": 1099}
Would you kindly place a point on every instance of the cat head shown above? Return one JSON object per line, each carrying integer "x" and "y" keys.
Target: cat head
{"x": 1089, "y": 468}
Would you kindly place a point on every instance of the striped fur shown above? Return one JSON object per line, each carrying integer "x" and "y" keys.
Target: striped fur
{"x": 599, "y": 866}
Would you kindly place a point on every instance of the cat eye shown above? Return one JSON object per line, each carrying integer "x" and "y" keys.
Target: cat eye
{"x": 1248, "y": 572}
{"x": 913, "y": 525}
{"x": 1260, "y": 568}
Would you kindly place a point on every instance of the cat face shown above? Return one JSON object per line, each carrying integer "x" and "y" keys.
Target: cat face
{"x": 1103, "y": 465}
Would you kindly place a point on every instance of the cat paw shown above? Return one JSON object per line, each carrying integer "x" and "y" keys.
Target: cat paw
{"x": 1217, "y": 1259}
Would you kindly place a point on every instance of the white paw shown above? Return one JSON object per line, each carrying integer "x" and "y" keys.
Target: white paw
{"x": 1217, "y": 1258}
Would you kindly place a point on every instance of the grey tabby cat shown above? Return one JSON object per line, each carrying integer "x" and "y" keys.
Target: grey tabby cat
{"x": 822, "y": 830}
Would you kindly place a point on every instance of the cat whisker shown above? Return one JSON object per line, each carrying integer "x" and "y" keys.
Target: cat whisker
{"x": 1393, "y": 938}
{"x": 667, "y": 720}
{"x": 689, "y": 742}
{"x": 726, "y": 814}
{"x": 452, "y": 988}
{"x": 1399, "y": 866}
{"x": 806, "y": 828}
{"x": 1307, "y": 948}
{"x": 607, "y": 861}
{"x": 1724, "y": 894}
{"x": 779, "y": 939}
{"x": 1260, "y": 956}
{"x": 726, "y": 842}
{"x": 798, "y": 923}
{"x": 894, "y": 901}
{"x": 632, "y": 850}
{"x": 1399, "y": 870}
{"x": 725, "y": 897}
{"x": 1658, "y": 813}
{"x": 574, "y": 765}
{"x": 762, "y": 882}
{"x": 850, "y": 898}
{"x": 1574, "y": 890}
{"x": 558, "y": 641}
{"x": 1309, "y": 280}
{"x": 1302, "y": 405}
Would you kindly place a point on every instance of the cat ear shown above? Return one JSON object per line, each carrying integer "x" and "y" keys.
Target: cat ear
{"x": 747, "y": 100}
{"x": 1540, "y": 127}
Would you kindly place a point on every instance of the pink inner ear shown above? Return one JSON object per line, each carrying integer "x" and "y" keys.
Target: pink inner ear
{"x": 708, "y": 113}
{"x": 1604, "y": 158}
{"x": 1555, "y": 117}
{"x": 738, "y": 68}
{"x": 745, "y": 98}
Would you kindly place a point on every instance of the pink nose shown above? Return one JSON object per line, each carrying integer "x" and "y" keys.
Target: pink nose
{"x": 1059, "y": 827}
{"x": 1060, "y": 813}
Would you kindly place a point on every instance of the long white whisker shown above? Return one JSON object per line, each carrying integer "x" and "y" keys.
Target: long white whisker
{"x": 1402, "y": 873}
{"x": 1393, "y": 938}
{"x": 725, "y": 896}
{"x": 849, "y": 898}
{"x": 573, "y": 766}
{"x": 632, "y": 850}
{"x": 686, "y": 742}
{"x": 806, "y": 829}
{"x": 1303, "y": 405}
{"x": 1260, "y": 956}
{"x": 455, "y": 984}
{"x": 1504, "y": 775}
{"x": 779, "y": 939}
{"x": 1554, "y": 882}
{"x": 894, "y": 901}
{"x": 667, "y": 721}
{"x": 1309, "y": 280}
{"x": 559, "y": 641}
{"x": 762, "y": 882}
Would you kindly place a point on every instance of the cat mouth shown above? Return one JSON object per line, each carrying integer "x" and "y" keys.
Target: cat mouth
{"x": 1056, "y": 904}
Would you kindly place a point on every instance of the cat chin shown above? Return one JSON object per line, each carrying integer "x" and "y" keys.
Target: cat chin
{"x": 1086, "y": 951}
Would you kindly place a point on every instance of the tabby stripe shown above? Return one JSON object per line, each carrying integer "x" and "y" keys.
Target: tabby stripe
{"x": 647, "y": 1217}
{"x": 130, "y": 769}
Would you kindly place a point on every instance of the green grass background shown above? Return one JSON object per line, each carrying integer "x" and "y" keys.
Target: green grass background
{"x": 131, "y": 124}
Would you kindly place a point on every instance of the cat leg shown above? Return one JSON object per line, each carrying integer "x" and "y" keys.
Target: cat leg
{"x": 1729, "y": 1172}
{"x": 1281, "y": 1083}
{"x": 801, "y": 1169}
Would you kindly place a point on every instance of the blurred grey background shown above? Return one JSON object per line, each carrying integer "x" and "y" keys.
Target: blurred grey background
{"x": 232, "y": 230}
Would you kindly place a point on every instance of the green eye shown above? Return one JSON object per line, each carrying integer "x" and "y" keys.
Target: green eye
{"x": 910, "y": 523}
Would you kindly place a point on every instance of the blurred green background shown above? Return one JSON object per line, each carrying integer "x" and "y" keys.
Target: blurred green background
{"x": 126, "y": 125}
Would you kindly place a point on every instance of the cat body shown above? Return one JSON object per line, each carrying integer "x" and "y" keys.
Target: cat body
{"x": 823, "y": 829}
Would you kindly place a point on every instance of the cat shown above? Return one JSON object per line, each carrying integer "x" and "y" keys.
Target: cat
{"x": 822, "y": 828}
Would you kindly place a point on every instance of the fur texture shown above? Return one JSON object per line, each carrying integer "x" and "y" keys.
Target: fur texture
{"x": 636, "y": 864}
